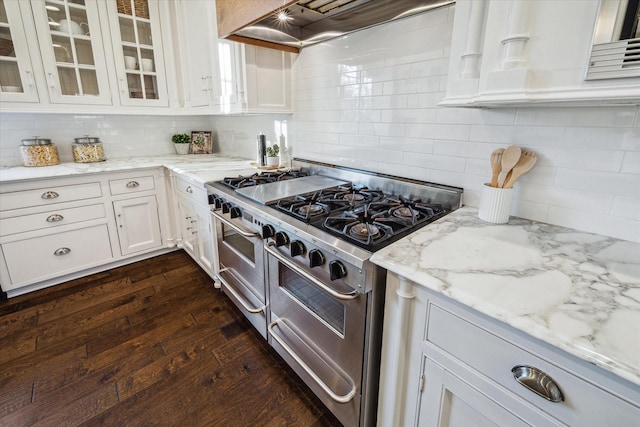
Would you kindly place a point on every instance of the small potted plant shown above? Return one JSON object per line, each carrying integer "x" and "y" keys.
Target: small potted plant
{"x": 273, "y": 158}
{"x": 181, "y": 142}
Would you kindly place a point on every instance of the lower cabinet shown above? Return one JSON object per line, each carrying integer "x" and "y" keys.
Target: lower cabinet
{"x": 194, "y": 223}
{"x": 138, "y": 224}
{"x": 445, "y": 364}
{"x": 53, "y": 230}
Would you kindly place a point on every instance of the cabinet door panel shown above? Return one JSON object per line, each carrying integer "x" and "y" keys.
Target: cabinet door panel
{"x": 138, "y": 52}
{"x": 447, "y": 401}
{"x": 138, "y": 224}
{"x": 17, "y": 82}
{"x": 70, "y": 42}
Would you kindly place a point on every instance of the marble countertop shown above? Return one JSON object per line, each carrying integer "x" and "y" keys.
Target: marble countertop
{"x": 575, "y": 290}
{"x": 200, "y": 168}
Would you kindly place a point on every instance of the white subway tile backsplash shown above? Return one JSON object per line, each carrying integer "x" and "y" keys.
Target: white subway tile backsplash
{"x": 626, "y": 207}
{"x": 631, "y": 163}
{"x": 578, "y": 116}
{"x": 596, "y": 223}
{"x": 616, "y": 184}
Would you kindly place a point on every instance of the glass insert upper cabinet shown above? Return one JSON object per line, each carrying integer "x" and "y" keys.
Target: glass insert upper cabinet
{"x": 137, "y": 47}
{"x": 17, "y": 82}
{"x": 71, "y": 46}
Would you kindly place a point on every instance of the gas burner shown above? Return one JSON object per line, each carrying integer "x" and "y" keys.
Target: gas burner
{"x": 353, "y": 197}
{"x": 364, "y": 231}
{"x": 404, "y": 212}
{"x": 310, "y": 210}
{"x": 347, "y": 196}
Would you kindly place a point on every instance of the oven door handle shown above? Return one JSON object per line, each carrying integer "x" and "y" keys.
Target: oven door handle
{"x": 338, "y": 398}
{"x": 234, "y": 227}
{"x": 353, "y": 294}
{"x": 229, "y": 288}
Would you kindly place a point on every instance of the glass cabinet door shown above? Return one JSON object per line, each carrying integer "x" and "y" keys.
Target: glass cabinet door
{"x": 135, "y": 30}
{"x": 16, "y": 74}
{"x": 70, "y": 41}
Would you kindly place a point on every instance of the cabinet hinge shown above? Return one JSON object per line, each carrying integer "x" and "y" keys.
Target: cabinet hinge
{"x": 421, "y": 383}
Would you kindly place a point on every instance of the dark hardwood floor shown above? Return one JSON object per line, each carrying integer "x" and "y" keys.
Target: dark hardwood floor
{"x": 151, "y": 343}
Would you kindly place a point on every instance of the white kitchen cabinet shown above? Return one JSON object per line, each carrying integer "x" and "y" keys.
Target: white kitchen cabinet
{"x": 197, "y": 39}
{"x": 17, "y": 81}
{"x": 70, "y": 43}
{"x": 518, "y": 52}
{"x": 254, "y": 79}
{"x": 138, "y": 224}
{"x": 53, "y": 230}
{"x": 194, "y": 222}
{"x": 136, "y": 39}
{"x": 89, "y": 53}
{"x": 444, "y": 364}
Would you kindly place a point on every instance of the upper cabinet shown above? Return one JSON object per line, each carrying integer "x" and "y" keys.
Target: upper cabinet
{"x": 71, "y": 47}
{"x": 138, "y": 52}
{"x": 17, "y": 82}
{"x": 254, "y": 79}
{"x": 98, "y": 53}
{"x": 519, "y": 52}
{"x": 198, "y": 53}
{"x": 133, "y": 57}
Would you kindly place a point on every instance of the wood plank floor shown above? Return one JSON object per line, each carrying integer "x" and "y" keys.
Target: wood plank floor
{"x": 151, "y": 343}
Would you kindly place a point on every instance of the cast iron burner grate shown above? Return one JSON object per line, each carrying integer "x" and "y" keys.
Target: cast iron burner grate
{"x": 261, "y": 178}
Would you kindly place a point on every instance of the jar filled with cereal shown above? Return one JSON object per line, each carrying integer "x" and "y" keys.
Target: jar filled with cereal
{"x": 88, "y": 150}
{"x": 39, "y": 152}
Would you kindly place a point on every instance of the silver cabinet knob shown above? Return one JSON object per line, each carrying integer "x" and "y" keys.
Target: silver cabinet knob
{"x": 132, "y": 184}
{"x": 189, "y": 189}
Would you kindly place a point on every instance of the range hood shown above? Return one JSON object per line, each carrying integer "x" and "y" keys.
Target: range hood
{"x": 294, "y": 25}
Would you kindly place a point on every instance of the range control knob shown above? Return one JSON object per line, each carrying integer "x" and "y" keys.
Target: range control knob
{"x": 337, "y": 270}
{"x": 236, "y": 212}
{"x": 281, "y": 238}
{"x": 217, "y": 202}
{"x": 297, "y": 248}
{"x": 316, "y": 258}
{"x": 226, "y": 207}
{"x": 268, "y": 231}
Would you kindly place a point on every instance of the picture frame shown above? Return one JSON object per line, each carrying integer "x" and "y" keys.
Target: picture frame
{"x": 200, "y": 142}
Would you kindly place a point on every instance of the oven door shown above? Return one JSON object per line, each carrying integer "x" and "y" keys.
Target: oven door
{"x": 241, "y": 255}
{"x": 318, "y": 327}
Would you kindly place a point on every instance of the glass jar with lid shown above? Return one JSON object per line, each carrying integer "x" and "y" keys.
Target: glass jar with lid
{"x": 39, "y": 152}
{"x": 87, "y": 150}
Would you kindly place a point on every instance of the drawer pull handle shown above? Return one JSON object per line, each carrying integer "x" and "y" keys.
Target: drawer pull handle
{"x": 189, "y": 189}
{"x": 55, "y": 218}
{"x": 538, "y": 382}
{"x": 133, "y": 184}
{"x": 49, "y": 195}
{"x": 61, "y": 251}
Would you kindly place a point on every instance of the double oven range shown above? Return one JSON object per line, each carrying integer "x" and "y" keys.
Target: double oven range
{"x": 294, "y": 249}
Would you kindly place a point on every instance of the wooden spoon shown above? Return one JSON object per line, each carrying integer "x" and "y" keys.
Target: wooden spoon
{"x": 524, "y": 165}
{"x": 496, "y": 166}
{"x": 510, "y": 158}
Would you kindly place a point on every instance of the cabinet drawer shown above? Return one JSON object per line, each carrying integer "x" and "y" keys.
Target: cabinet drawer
{"x": 41, "y": 258}
{"x": 131, "y": 185}
{"x": 192, "y": 191}
{"x": 494, "y": 358}
{"x": 49, "y": 195}
{"x": 52, "y": 218}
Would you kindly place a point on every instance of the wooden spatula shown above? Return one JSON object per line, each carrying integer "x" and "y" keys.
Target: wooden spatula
{"x": 510, "y": 158}
{"x": 496, "y": 166}
{"x": 524, "y": 165}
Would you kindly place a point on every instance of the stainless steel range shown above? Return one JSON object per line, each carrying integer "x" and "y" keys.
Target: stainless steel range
{"x": 294, "y": 253}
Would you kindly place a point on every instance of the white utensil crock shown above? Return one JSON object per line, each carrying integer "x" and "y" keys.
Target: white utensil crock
{"x": 495, "y": 204}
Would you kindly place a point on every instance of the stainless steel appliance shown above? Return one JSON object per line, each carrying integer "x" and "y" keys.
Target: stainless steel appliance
{"x": 294, "y": 253}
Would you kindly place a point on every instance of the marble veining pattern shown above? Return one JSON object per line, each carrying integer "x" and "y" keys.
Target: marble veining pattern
{"x": 575, "y": 290}
{"x": 200, "y": 168}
